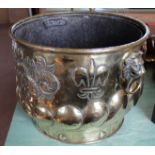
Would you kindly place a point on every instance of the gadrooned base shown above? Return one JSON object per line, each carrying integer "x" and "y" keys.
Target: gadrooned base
{"x": 80, "y": 134}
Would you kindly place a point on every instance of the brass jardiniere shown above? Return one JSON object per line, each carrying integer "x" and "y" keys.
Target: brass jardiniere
{"x": 77, "y": 73}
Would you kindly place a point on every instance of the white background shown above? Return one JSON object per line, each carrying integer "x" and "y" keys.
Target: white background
{"x": 77, "y": 150}
{"x": 77, "y": 3}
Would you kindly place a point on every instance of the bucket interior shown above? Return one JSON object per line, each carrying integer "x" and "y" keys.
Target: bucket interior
{"x": 79, "y": 30}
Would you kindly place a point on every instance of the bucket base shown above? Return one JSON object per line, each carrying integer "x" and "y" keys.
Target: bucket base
{"x": 81, "y": 134}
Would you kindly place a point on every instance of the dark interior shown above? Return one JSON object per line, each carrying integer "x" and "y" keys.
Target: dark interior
{"x": 79, "y": 30}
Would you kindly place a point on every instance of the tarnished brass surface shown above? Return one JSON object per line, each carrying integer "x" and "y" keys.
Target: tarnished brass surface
{"x": 78, "y": 95}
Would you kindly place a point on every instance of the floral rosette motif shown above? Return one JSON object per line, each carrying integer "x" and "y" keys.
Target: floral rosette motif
{"x": 35, "y": 78}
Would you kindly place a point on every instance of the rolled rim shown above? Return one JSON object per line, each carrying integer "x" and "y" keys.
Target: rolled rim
{"x": 118, "y": 48}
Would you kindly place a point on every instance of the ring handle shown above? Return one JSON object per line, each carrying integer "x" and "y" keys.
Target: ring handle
{"x": 133, "y": 72}
{"x": 138, "y": 86}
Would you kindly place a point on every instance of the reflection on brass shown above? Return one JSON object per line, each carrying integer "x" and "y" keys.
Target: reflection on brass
{"x": 77, "y": 73}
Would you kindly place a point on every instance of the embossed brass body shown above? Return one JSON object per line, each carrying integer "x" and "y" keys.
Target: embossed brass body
{"x": 78, "y": 73}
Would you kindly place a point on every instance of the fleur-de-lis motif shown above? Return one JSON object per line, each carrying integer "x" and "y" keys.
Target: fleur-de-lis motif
{"x": 90, "y": 80}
